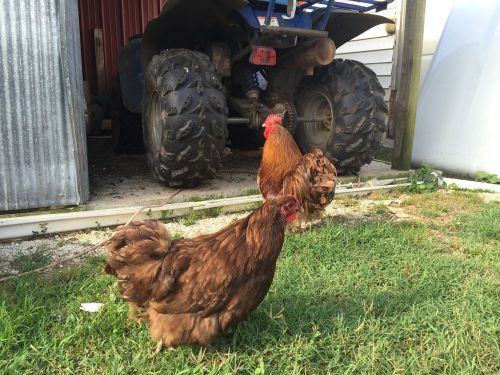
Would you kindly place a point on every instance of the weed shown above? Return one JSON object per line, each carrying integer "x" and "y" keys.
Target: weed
{"x": 177, "y": 235}
{"x": 349, "y": 201}
{"x": 190, "y": 219}
{"x": 24, "y": 263}
{"x": 43, "y": 229}
{"x": 194, "y": 216}
{"x": 166, "y": 214}
{"x": 430, "y": 212}
{"x": 487, "y": 177}
{"x": 379, "y": 208}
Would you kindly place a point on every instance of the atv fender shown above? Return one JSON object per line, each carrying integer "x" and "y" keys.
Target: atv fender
{"x": 189, "y": 24}
{"x": 344, "y": 26}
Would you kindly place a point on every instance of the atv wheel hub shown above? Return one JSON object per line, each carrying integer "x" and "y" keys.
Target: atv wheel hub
{"x": 319, "y": 106}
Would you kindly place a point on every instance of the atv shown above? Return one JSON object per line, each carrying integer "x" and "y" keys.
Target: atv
{"x": 216, "y": 68}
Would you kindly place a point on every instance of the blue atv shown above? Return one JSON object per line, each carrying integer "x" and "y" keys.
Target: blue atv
{"x": 217, "y": 68}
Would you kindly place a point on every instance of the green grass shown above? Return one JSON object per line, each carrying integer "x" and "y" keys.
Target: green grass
{"x": 369, "y": 297}
{"x": 194, "y": 216}
{"x": 379, "y": 208}
{"x": 348, "y": 200}
{"x": 24, "y": 263}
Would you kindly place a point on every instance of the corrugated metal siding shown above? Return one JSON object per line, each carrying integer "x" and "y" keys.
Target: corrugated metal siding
{"x": 375, "y": 48}
{"x": 90, "y": 18}
{"x": 42, "y": 142}
{"x": 112, "y": 37}
{"x": 119, "y": 19}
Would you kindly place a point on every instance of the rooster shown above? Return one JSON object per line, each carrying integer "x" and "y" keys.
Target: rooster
{"x": 311, "y": 178}
{"x": 190, "y": 290}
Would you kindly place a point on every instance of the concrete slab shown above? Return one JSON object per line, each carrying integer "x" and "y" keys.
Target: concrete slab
{"x": 124, "y": 180}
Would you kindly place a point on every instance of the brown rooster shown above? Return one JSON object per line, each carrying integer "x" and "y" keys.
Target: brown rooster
{"x": 311, "y": 178}
{"x": 190, "y": 290}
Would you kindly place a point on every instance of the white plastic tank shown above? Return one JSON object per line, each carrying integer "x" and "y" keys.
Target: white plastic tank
{"x": 458, "y": 115}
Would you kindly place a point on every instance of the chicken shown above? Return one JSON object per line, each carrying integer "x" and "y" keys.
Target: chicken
{"x": 311, "y": 178}
{"x": 189, "y": 290}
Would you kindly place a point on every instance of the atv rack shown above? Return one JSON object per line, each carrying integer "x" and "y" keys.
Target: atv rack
{"x": 327, "y": 6}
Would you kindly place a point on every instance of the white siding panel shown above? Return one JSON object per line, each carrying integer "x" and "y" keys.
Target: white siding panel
{"x": 375, "y": 49}
{"x": 370, "y": 57}
{"x": 374, "y": 32}
{"x": 384, "y": 69}
{"x": 387, "y": 95}
{"x": 385, "y": 81}
{"x": 373, "y": 44}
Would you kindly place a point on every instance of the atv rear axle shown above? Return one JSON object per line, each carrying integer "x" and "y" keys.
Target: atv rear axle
{"x": 243, "y": 120}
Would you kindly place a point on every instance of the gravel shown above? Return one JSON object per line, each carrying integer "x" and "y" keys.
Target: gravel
{"x": 57, "y": 247}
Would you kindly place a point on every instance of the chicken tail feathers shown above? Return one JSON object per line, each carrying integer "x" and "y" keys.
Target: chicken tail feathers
{"x": 313, "y": 182}
{"x": 137, "y": 252}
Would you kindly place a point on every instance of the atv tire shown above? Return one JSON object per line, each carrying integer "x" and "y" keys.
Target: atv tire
{"x": 184, "y": 118}
{"x": 126, "y": 126}
{"x": 350, "y": 98}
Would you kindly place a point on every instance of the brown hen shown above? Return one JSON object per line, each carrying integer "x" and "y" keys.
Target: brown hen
{"x": 311, "y": 178}
{"x": 190, "y": 290}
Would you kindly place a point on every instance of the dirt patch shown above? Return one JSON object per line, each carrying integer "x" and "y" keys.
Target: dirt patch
{"x": 441, "y": 210}
{"x": 125, "y": 180}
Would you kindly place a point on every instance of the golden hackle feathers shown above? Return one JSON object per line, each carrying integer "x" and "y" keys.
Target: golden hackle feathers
{"x": 280, "y": 155}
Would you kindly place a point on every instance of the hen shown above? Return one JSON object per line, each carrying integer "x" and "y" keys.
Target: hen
{"x": 190, "y": 290}
{"x": 311, "y": 178}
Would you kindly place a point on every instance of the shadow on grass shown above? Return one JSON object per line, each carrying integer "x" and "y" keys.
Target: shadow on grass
{"x": 281, "y": 318}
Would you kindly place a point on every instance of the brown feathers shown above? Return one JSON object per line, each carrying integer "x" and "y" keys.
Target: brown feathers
{"x": 283, "y": 170}
{"x": 189, "y": 290}
{"x": 135, "y": 250}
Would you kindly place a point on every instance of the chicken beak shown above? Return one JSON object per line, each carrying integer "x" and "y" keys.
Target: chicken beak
{"x": 300, "y": 209}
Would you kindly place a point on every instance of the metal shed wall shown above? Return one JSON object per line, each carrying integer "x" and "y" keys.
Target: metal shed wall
{"x": 43, "y": 155}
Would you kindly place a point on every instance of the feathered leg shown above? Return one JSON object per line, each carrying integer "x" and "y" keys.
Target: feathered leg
{"x": 133, "y": 310}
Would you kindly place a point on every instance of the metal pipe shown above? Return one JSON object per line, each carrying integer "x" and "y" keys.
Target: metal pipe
{"x": 321, "y": 52}
{"x": 269, "y": 13}
{"x": 326, "y": 15}
{"x": 237, "y": 120}
{"x": 311, "y": 119}
{"x": 244, "y": 120}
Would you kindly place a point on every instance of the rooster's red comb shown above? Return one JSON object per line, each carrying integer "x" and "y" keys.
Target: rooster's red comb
{"x": 273, "y": 119}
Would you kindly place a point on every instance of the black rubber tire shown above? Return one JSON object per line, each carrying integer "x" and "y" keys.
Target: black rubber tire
{"x": 126, "y": 125}
{"x": 184, "y": 117}
{"x": 359, "y": 113}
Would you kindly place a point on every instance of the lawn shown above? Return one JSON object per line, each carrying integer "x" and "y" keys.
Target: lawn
{"x": 369, "y": 295}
